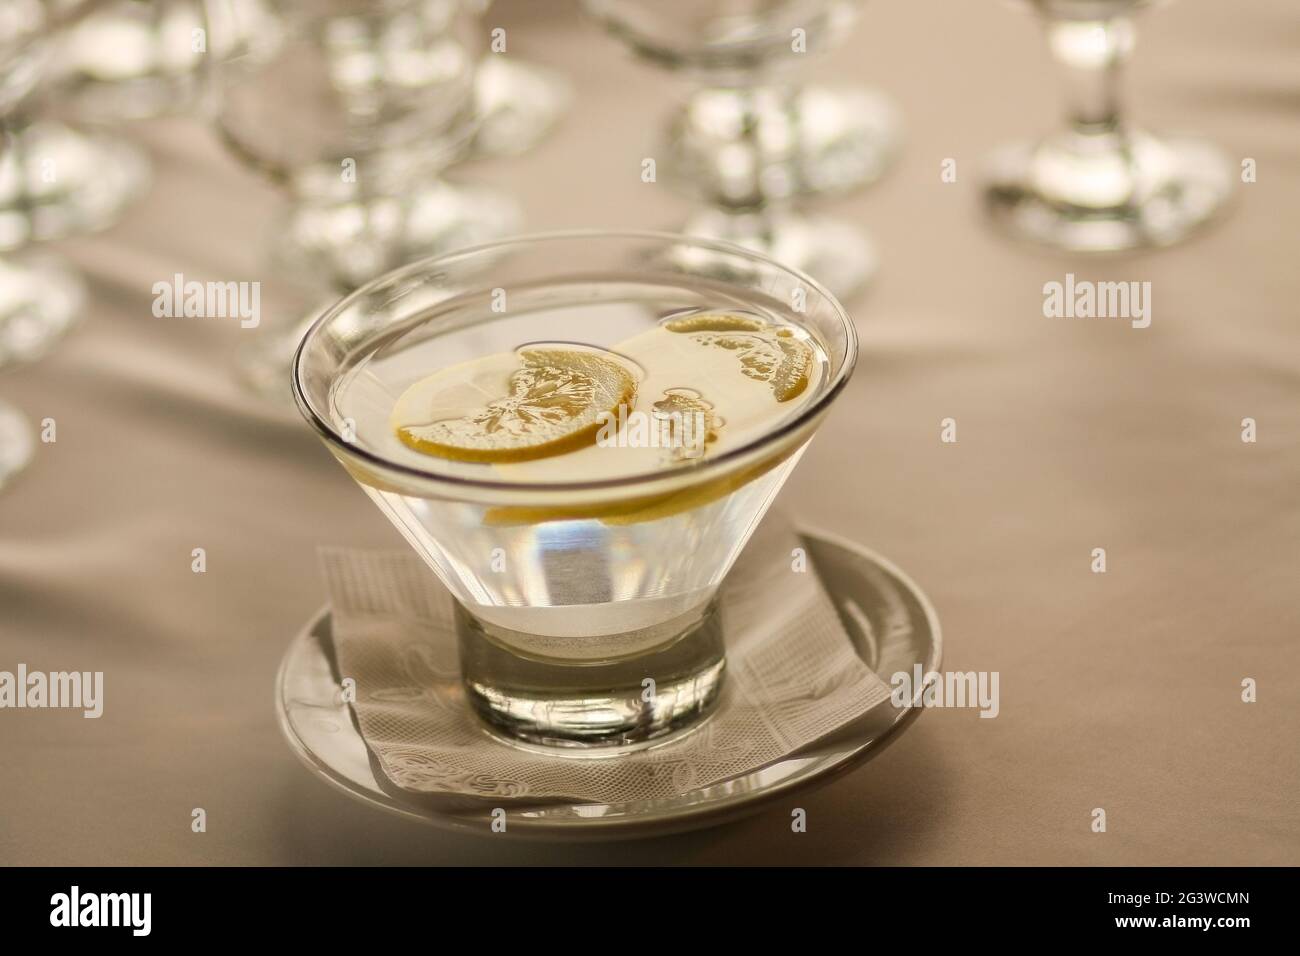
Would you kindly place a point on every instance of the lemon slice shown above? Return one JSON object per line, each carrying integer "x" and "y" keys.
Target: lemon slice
{"x": 792, "y": 375}
{"x": 558, "y": 399}
{"x": 766, "y": 353}
{"x": 716, "y": 322}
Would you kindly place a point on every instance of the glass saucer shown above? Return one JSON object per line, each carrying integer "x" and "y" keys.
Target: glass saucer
{"x": 890, "y": 621}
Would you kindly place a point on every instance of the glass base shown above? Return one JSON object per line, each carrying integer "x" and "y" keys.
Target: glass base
{"x": 16, "y": 442}
{"x": 350, "y": 242}
{"x": 57, "y": 181}
{"x": 591, "y": 698}
{"x": 39, "y": 300}
{"x": 1106, "y": 193}
{"x": 518, "y": 105}
{"x": 836, "y": 254}
{"x": 808, "y": 142}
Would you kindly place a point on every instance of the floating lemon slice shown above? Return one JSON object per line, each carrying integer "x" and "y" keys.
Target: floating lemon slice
{"x": 766, "y": 353}
{"x": 558, "y": 399}
{"x": 716, "y": 322}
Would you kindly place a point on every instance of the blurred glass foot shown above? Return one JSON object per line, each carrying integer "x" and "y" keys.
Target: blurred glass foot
{"x": 1107, "y": 194}
{"x": 17, "y": 443}
{"x": 57, "y": 181}
{"x": 802, "y": 142}
{"x": 836, "y": 254}
{"x": 40, "y": 299}
{"x": 518, "y": 104}
{"x": 352, "y": 242}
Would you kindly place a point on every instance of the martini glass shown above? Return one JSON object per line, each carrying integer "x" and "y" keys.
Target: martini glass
{"x": 750, "y": 140}
{"x": 573, "y": 590}
{"x": 1101, "y": 185}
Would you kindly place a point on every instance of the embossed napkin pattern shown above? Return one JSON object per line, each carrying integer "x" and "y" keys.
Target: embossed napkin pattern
{"x": 792, "y": 677}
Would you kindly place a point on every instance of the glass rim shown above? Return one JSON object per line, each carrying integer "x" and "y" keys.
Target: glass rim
{"x": 710, "y": 466}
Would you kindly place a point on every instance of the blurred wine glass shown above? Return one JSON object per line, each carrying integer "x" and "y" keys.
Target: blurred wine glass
{"x": 138, "y": 59}
{"x": 57, "y": 180}
{"x": 39, "y": 296}
{"x": 1101, "y": 185}
{"x": 751, "y": 140}
{"x": 356, "y": 108}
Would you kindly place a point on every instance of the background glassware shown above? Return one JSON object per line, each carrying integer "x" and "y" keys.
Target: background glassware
{"x": 56, "y": 180}
{"x": 518, "y": 103}
{"x": 39, "y": 300}
{"x": 136, "y": 59}
{"x": 39, "y": 297}
{"x": 751, "y": 140}
{"x": 605, "y": 582}
{"x": 357, "y": 107}
{"x": 1100, "y": 185}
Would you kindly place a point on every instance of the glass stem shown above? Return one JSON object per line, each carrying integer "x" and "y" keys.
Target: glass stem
{"x": 748, "y": 134}
{"x": 1091, "y": 54}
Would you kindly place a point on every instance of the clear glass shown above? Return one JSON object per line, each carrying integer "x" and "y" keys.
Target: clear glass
{"x": 357, "y": 107}
{"x": 517, "y": 103}
{"x": 575, "y": 590}
{"x": 55, "y": 180}
{"x": 1100, "y": 185}
{"x": 751, "y": 140}
{"x": 58, "y": 181}
{"x": 128, "y": 60}
{"x": 39, "y": 297}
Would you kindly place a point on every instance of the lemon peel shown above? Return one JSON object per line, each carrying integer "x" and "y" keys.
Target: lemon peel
{"x": 557, "y": 403}
{"x": 767, "y": 353}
